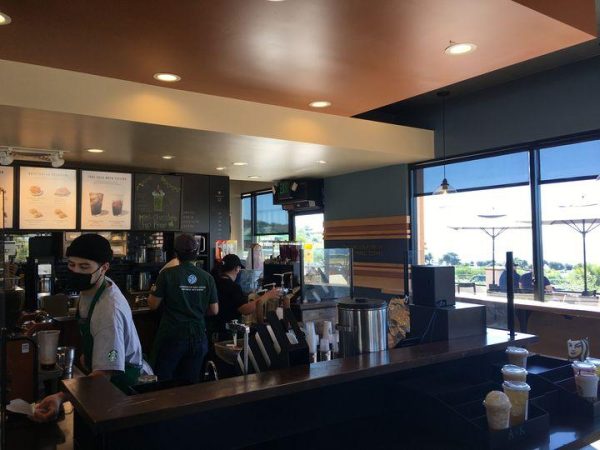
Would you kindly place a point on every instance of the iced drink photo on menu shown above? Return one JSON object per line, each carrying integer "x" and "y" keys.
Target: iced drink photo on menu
{"x": 117, "y": 205}
{"x": 158, "y": 195}
{"x": 96, "y": 203}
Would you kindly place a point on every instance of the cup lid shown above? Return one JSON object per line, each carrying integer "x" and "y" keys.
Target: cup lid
{"x": 594, "y": 361}
{"x": 516, "y": 386}
{"x": 511, "y": 368}
{"x": 517, "y": 350}
{"x": 496, "y": 398}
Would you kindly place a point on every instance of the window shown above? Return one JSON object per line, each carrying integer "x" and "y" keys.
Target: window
{"x": 492, "y": 213}
{"x": 570, "y": 203}
{"x": 308, "y": 229}
{"x": 262, "y": 221}
{"x": 474, "y": 228}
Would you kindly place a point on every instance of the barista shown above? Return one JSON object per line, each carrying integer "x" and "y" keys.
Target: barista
{"x": 188, "y": 294}
{"x": 110, "y": 344}
{"x": 233, "y": 303}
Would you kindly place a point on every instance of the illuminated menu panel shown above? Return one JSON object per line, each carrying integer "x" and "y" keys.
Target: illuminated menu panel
{"x": 105, "y": 200}
{"x": 47, "y": 198}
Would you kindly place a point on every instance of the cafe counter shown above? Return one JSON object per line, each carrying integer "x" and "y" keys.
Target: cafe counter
{"x": 350, "y": 402}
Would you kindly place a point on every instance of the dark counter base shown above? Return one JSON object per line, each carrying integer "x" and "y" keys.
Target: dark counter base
{"x": 281, "y": 409}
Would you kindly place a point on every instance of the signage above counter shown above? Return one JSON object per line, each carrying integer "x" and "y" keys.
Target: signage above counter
{"x": 157, "y": 202}
{"x": 105, "y": 202}
{"x": 47, "y": 198}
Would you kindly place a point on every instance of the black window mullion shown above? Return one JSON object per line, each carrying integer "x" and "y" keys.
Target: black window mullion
{"x": 536, "y": 224}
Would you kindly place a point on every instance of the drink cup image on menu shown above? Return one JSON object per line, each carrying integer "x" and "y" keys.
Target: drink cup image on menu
{"x": 96, "y": 203}
{"x": 158, "y": 195}
{"x": 117, "y": 204}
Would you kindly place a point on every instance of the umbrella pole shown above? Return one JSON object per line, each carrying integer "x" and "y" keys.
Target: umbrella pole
{"x": 585, "y": 286}
{"x": 493, "y": 259}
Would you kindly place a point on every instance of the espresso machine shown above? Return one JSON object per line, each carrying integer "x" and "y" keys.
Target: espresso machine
{"x": 39, "y": 270}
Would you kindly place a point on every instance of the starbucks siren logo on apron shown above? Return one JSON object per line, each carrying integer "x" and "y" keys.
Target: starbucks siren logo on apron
{"x": 112, "y": 355}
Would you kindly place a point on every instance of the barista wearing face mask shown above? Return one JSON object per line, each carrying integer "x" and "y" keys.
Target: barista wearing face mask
{"x": 110, "y": 344}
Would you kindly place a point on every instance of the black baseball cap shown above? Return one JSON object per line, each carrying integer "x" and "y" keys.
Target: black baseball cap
{"x": 232, "y": 261}
{"x": 185, "y": 244}
{"x": 91, "y": 246}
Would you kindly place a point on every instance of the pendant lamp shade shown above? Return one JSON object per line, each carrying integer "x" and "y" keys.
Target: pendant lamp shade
{"x": 444, "y": 188}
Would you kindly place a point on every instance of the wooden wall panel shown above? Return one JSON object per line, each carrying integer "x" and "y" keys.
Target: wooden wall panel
{"x": 379, "y": 246}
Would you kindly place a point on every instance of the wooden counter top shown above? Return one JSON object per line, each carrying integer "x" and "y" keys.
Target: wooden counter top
{"x": 105, "y": 408}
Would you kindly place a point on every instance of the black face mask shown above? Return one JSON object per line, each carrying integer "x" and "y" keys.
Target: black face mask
{"x": 80, "y": 281}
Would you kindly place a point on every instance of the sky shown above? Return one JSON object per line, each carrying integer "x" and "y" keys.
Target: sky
{"x": 559, "y": 201}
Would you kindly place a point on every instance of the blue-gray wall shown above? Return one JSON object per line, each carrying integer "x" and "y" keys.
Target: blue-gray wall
{"x": 370, "y": 193}
{"x": 559, "y": 102}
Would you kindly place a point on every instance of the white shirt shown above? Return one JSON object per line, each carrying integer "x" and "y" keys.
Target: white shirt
{"x": 116, "y": 341}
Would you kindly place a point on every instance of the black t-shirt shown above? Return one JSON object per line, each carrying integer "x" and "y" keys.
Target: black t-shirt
{"x": 230, "y": 299}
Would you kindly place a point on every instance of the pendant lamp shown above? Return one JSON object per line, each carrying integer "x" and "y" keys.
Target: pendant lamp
{"x": 444, "y": 187}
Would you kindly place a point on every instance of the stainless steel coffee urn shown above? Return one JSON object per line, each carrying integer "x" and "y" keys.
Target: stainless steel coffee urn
{"x": 362, "y": 324}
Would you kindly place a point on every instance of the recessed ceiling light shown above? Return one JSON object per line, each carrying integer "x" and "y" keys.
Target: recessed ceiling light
{"x": 254, "y": 177}
{"x": 95, "y": 150}
{"x": 168, "y": 157}
{"x": 220, "y": 168}
{"x": 240, "y": 163}
{"x": 4, "y": 19}
{"x": 321, "y": 161}
{"x": 167, "y": 77}
{"x": 319, "y": 104}
{"x": 460, "y": 48}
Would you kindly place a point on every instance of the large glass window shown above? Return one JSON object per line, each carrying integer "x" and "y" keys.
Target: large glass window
{"x": 570, "y": 198}
{"x": 492, "y": 213}
{"x": 472, "y": 231}
{"x": 262, "y": 221}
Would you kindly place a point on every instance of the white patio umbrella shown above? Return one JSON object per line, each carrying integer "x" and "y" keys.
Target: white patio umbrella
{"x": 493, "y": 223}
{"x": 582, "y": 216}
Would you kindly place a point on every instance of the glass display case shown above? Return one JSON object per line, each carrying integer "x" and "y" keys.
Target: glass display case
{"x": 326, "y": 274}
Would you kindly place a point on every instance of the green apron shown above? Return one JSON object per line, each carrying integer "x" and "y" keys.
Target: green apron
{"x": 123, "y": 380}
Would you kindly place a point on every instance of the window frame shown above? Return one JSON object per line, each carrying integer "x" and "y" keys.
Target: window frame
{"x": 535, "y": 150}
{"x": 253, "y": 215}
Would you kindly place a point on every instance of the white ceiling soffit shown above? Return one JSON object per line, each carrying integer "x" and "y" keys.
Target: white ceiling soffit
{"x": 137, "y": 123}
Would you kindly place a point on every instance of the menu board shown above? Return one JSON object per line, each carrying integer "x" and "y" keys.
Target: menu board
{"x": 157, "y": 202}
{"x": 195, "y": 203}
{"x": 7, "y": 177}
{"x": 47, "y": 198}
{"x": 105, "y": 200}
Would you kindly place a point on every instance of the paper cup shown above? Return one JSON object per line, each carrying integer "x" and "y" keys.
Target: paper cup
{"x": 587, "y": 386}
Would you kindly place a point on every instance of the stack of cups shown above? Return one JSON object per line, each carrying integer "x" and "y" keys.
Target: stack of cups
{"x": 327, "y": 329}
{"x": 518, "y": 394}
{"x": 517, "y": 356}
{"x": 586, "y": 380}
{"x": 324, "y": 350}
{"x": 312, "y": 339}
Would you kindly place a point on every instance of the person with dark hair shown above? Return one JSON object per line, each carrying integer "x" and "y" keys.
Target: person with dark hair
{"x": 233, "y": 302}
{"x": 187, "y": 294}
{"x": 110, "y": 344}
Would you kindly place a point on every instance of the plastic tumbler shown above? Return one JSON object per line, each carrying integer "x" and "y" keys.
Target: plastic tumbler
{"x": 518, "y": 394}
